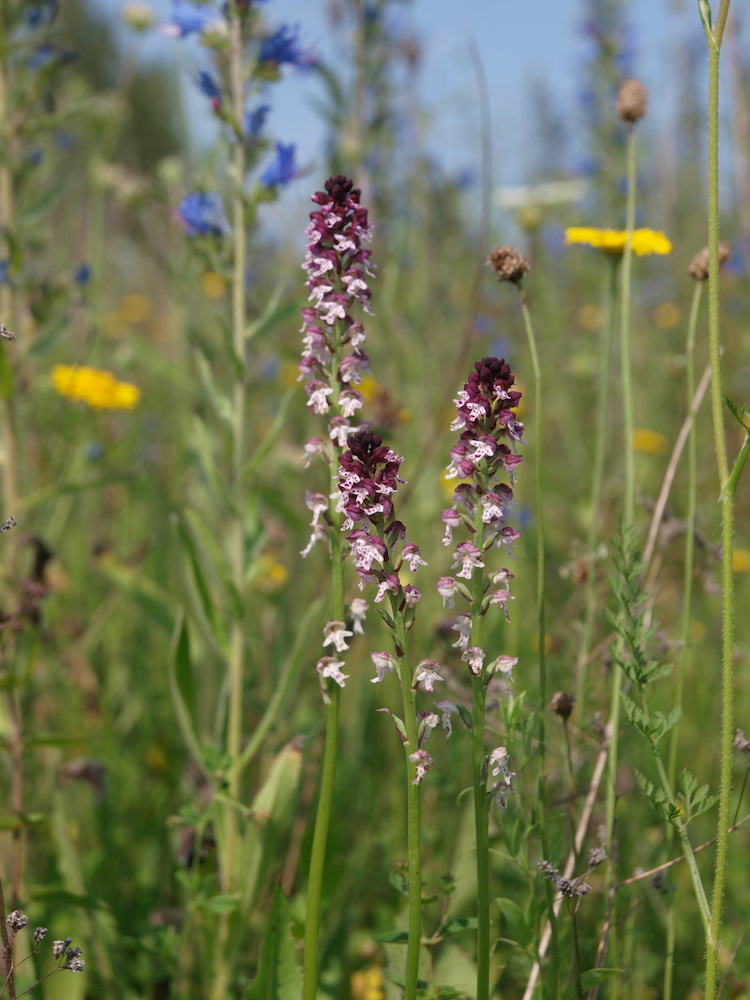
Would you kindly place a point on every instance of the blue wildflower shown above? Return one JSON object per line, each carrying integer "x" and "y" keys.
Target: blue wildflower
{"x": 283, "y": 47}
{"x": 4, "y": 279}
{"x": 202, "y": 214}
{"x": 188, "y": 18}
{"x": 210, "y": 87}
{"x": 43, "y": 55}
{"x": 82, "y": 275}
{"x": 254, "y": 121}
{"x": 282, "y": 167}
{"x": 39, "y": 14}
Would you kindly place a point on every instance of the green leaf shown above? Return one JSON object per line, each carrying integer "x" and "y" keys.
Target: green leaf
{"x": 158, "y": 604}
{"x": 457, "y": 925}
{"x": 219, "y": 401}
{"x": 274, "y": 432}
{"x": 223, "y": 903}
{"x": 200, "y": 593}
{"x": 182, "y": 686}
{"x": 589, "y": 979}
{"x": 392, "y": 937}
{"x": 279, "y": 977}
{"x": 514, "y": 924}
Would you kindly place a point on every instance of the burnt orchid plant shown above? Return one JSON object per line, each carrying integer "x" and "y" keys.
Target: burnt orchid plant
{"x": 333, "y": 362}
{"x": 485, "y": 460}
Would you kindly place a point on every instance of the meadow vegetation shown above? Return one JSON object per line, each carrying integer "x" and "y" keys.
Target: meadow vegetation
{"x": 372, "y": 603}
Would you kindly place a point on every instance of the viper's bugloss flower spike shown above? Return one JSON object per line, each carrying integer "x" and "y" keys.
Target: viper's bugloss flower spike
{"x": 283, "y": 48}
{"x": 202, "y": 214}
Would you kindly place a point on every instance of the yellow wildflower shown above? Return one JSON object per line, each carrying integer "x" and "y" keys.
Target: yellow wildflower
{"x": 98, "y": 389}
{"x": 134, "y": 307}
{"x": 741, "y": 560}
{"x": 645, "y": 241}
{"x": 667, "y": 315}
{"x": 367, "y": 984}
{"x": 650, "y": 442}
{"x": 213, "y": 285}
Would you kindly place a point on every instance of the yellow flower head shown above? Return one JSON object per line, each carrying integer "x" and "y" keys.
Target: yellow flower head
{"x": 98, "y": 389}
{"x": 645, "y": 241}
{"x": 741, "y": 560}
{"x": 650, "y": 442}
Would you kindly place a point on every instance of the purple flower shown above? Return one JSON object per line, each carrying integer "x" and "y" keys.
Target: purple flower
{"x": 283, "y": 47}
{"x": 189, "y": 18}
{"x": 254, "y": 121}
{"x": 202, "y": 214}
{"x": 82, "y": 275}
{"x": 282, "y": 167}
{"x": 43, "y": 55}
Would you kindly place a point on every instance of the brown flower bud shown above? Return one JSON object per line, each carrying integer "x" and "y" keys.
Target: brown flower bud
{"x": 562, "y": 704}
{"x": 632, "y": 101}
{"x": 509, "y": 264}
{"x": 698, "y": 268}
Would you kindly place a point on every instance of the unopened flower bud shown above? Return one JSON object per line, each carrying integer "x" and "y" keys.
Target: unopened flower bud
{"x": 632, "y": 101}
{"x": 699, "y": 265}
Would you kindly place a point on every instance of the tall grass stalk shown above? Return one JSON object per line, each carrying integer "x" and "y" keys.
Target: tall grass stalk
{"x": 10, "y": 489}
{"x": 229, "y": 861}
{"x": 687, "y": 604}
{"x": 714, "y": 35}
{"x": 541, "y": 621}
{"x": 629, "y": 492}
{"x": 597, "y": 476}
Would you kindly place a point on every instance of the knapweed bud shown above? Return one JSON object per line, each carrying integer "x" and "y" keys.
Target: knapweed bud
{"x": 562, "y": 704}
{"x": 632, "y": 101}
{"x": 699, "y": 265}
{"x": 509, "y": 264}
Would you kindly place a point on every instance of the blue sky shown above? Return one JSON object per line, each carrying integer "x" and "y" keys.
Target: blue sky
{"x": 517, "y": 42}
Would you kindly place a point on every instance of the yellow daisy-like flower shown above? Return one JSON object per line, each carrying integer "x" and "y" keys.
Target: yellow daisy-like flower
{"x": 650, "y": 442}
{"x": 98, "y": 389}
{"x": 645, "y": 241}
{"x": 741, "y": 560}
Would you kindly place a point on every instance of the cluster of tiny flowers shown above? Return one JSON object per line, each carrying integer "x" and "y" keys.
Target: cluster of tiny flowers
{"x": 71, "y": 957}
{"x": 485, "y": 451}
{"x": 368, "y": 478}
{"x": 500, "y": 789}
{"x": 564, "y": 886}
{"x": 337, "y": 267}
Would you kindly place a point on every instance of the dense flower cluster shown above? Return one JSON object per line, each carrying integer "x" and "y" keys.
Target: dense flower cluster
{"x": 337, "y": 267}
{"x": 484, "y": 452}
{"x": 98, "y": 389}
{"x": 643, "y": 243}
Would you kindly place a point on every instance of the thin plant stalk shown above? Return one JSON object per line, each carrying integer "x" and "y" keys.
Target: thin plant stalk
{"x": 714, "y": 36}
{"x": 413, "y": 815}
{"x": 479, "y": 779}
{"x": 629, "y": 498}
{"x": 229, "y": 861}
{"x": 687, "y": 602}
{"x": 10, "y": 494}
{"x": 325, "y": 800}
{"x": 597, "y": 476}
{"x": 541, "y": 623}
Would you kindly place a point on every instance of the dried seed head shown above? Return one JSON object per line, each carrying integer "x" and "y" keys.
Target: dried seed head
{"x": 509, "y": 264}
{"x": 699, "y": 265}
{"x": 40, "y": 934}
{"x": 562, "y": 704}
{"x": 632, "y": 101}
{"x": 596, "y": 856}
{"x": 16, "y": 920}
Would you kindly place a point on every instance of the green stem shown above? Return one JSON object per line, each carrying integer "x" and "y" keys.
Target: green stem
{"x": 10, "y": 495}
{"x": 481, "y": 825}
{"x": 727, "y": 505}
{"x": 687, "y": 602}
{"x": 629, "y": 499}
{"x": 325, "y": 800}
{"x": 597, "y": 477}
{"x": 413, "y": 818}
{"x": 229, "y": 860}
{"x": 541, "y": 622}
